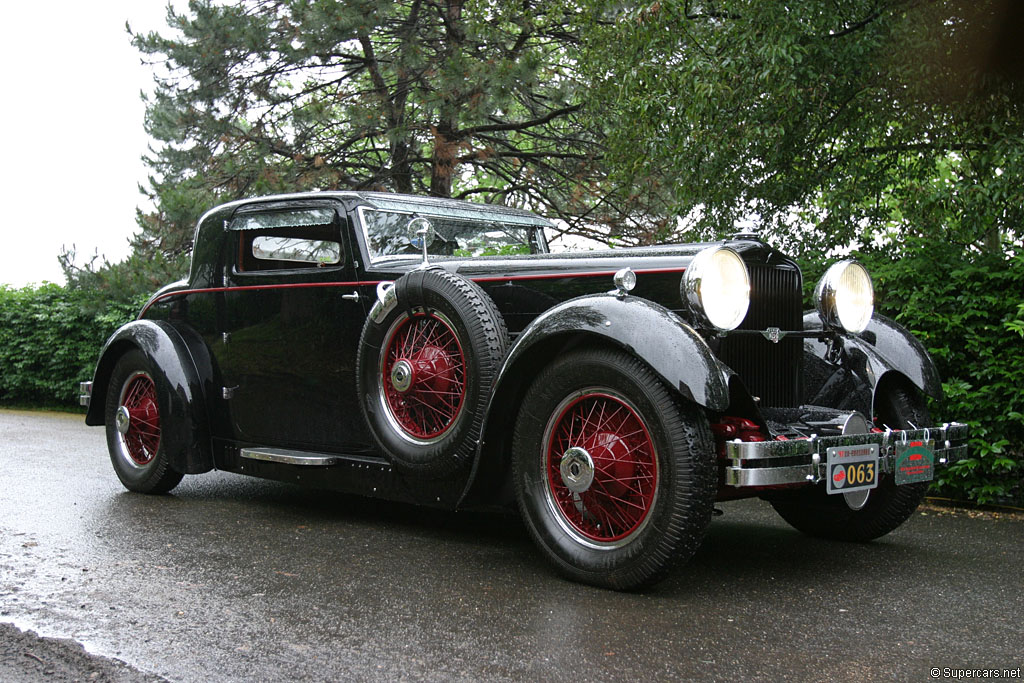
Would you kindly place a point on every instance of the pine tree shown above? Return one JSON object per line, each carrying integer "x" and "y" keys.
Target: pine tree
{"x": 473, "y": 99}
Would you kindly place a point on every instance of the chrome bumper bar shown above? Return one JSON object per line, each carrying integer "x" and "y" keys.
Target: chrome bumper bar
{"x": 772, "y": 463}
{"x": 86, "y": 395}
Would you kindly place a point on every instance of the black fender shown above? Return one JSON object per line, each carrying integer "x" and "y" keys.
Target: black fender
{"x": 184, "y": 422}
{"x": 905, "y": 353}
{"x": 653, "y": 333}
{"x": 884, "y": 352}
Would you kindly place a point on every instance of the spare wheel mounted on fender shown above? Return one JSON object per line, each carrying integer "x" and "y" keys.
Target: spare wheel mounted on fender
{"x": 425, "y": 370}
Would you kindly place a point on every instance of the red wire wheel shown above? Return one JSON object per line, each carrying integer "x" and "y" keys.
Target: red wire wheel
{"x": 602, "y": 467}
{"x": 423, "y": 376}
{"x": 138, "y": 419}
{"x": 429, "y": 353}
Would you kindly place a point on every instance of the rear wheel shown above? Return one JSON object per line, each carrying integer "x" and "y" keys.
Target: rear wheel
{"x": 614, "y": 475}
{"x": 132, "y": 417}
{"x": 816, "y": 513}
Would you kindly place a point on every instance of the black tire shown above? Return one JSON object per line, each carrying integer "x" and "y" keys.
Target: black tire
{"x": 816, "y": 513}
{"x": 452, "y": 340}
{"x": 642, "y": 514}
{"x": 137, "y": 452}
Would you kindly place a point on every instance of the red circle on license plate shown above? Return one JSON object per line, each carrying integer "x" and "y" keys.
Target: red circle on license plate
{"x": 839, "y": 476}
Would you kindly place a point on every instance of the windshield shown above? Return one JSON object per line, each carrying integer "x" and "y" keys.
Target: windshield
{"x": 388, "y": 235}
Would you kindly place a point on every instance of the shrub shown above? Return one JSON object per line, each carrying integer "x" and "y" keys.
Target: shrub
{"x": 50, "y": 338}
{"x": 968, "y": 313}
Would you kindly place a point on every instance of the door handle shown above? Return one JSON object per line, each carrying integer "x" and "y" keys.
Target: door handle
{"x": 354, "y": 296}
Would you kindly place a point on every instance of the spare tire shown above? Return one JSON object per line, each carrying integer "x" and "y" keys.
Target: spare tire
{"x": 426, "y": 365}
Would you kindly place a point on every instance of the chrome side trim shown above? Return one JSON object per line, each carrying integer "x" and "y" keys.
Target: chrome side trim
{"x": 750, "y": 463}
{"x": 86, "y": 393}
{"x": 289, "y": 457}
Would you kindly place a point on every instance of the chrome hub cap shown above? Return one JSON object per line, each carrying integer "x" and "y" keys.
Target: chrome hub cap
{"x": 122, "y": 420}
{"x": 855, "y": 500}
{"x": 577, "y": 468}
{"x": 856, "y": 424}
{"x": 401, "y": 376}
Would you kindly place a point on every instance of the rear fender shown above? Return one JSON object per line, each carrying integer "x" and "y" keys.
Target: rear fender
{"x": 184, "y": 423}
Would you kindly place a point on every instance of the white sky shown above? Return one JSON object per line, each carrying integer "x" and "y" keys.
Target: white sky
{"x": 72, "y": 126}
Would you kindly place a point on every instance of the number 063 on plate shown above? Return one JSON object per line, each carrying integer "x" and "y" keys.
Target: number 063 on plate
{"x": 852, "y": 468}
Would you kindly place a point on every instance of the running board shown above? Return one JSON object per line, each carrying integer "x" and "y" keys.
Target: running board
{"x": 305, "y": 458}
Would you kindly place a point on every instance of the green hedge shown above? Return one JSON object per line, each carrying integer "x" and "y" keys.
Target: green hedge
{"x": 50, "y": 339}
{"x": 969, "y": 314}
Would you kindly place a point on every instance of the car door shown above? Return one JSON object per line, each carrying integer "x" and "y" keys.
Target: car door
{"x": 291, "y": 328}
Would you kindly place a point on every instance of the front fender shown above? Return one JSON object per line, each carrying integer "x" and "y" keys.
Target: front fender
{"x": 883, "y": 350}
{"x": 673, "y": 350}
{"x": 904, "y": 352}
{"x": 645, "y": 329}
{"x": 184, "y": 424}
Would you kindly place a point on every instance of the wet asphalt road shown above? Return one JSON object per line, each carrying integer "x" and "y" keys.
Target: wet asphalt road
{"x": 238, "y": 579}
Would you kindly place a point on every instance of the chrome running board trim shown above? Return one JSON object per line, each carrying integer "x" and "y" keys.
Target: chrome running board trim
{"x": 287, "y": 457}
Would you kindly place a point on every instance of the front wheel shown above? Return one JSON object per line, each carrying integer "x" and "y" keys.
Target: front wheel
{"x": 614, "y": 475}
{"x": 132, "y": 416}
{"x": 816, "y": 513}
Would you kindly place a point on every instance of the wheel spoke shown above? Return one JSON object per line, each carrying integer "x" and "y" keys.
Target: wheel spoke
{"x": 134, "y": 391}
{"x": 610, "y": 496}
{"x": 142, "y": 440}
{"x": 625, "y": 468}
{"x": 434, "y": 398}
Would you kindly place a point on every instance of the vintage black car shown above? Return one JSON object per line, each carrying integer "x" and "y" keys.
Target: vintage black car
{"x": 434, "y": 351}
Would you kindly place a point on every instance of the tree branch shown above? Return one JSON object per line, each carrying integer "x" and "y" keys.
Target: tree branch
{"x": 852, "y": 28}
{"x": 521, "y": 125}
{"x": 927, "y": 147}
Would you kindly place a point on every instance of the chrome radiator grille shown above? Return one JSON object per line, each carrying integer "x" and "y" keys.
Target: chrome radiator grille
{"x": 770, "y": 371}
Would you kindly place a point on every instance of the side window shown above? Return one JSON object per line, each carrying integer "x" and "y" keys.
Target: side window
{"x": 296, "y": 250}
{"x": 287, "y": 240}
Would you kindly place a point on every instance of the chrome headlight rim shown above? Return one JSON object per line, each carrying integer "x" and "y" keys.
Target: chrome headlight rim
{"x": 840, "y": 307}
{"x": 693, "y": 288}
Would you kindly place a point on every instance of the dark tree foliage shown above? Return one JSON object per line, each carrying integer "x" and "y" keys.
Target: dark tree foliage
{"x": 474, "y": 99}
{"x": 97, "y": 284}
{"x": 828, "y": 122}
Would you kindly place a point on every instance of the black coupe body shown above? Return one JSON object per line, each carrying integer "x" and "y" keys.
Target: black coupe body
{"x": 434, "y": 351}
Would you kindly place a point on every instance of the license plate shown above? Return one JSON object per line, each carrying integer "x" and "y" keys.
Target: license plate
{"x": 851, "y": 468}
{"x": 915, "y": 462}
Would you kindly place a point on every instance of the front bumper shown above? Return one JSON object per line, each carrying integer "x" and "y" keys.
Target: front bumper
{"x": 796, "y": 461}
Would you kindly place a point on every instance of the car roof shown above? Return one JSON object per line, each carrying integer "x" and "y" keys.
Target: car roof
{"x": 441, "y": 206}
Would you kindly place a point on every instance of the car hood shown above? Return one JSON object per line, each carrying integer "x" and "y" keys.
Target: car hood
{"x": 663, "y": 258}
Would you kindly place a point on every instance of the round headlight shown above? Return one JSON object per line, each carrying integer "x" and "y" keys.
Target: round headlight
{"x": 845, "y": 297}
{"x": 717, "y": 287}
